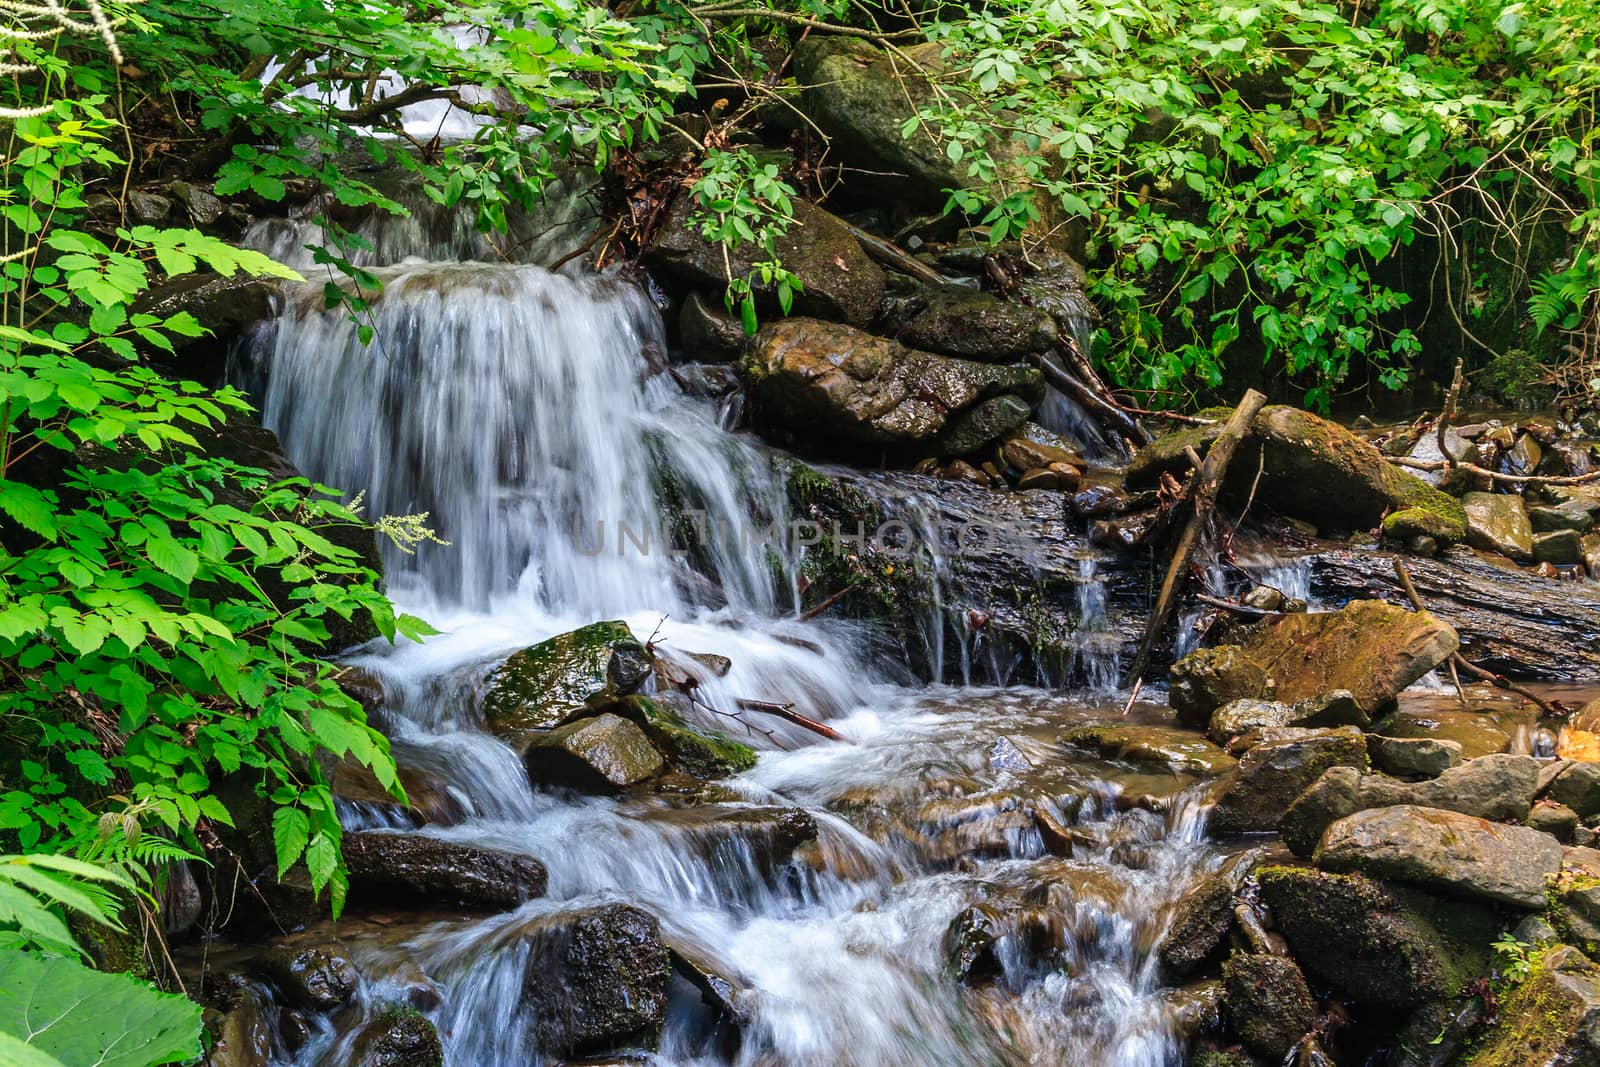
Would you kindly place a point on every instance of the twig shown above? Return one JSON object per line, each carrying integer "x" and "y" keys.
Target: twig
{"x": 1068, "y": 383}
{"x": 1237, "y": 608}
{"x": 891, "y": 256}
{"x": 828, "y": 602}
{"x": 786, "y": 712}
{"x": 1514, "y": 479}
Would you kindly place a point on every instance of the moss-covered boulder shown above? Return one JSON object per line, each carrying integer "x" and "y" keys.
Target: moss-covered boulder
{"x": 1312, "y": 469}
{"x": 839, "y": 281}
{"x": 692, "y": 749}
{"x": 1551, "y": 1019}
{"x": 545, "y": 684}
{"x": 1271, "y": 775}
{"x": 1383, "y": 945}
{"x": 1369, "y": 648}
{"x": 1267, "y": 1002}
{"x": 598, "y": 754}
{"x": 834, "y": 388}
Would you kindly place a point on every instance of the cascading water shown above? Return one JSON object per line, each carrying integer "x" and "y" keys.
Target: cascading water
{"x": 519, "y": 409}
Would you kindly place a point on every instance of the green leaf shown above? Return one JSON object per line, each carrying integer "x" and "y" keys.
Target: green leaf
{"x": 291, "y": 829}
{"x": 82, "y": 1018}
{"x": 173, "y": 557}
{"x": 15, "y": 1053}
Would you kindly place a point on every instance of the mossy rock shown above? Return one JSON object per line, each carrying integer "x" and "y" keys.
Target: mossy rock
{"x": 399, "y": 1037}
{"x": 1551, "y": 1018}
{"x": 691, "y": 749}
{"x": 543, "y": 685}
{"x": 1267, "y": 1002}
{"x": 1380, "y": 944}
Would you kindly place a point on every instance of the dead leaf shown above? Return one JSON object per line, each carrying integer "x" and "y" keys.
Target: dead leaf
{"x": 838, "y": 261}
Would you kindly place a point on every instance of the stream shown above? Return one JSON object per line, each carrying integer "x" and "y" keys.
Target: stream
{"x": 524, "y": 412}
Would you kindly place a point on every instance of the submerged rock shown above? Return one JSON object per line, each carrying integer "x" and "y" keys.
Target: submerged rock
{"x": 596, "y": 979}
{"x": 1380, "y": 945}
{"x": 1446, "y": 852}
{"x": 428, "y": 870}
{"x": 970, "y": 942}
{"x": 605, "y": 753}
{"x": 1551, "y": 1019}
{"x": 1370, "y": 648}
{"x": 838, "y": 387}
{"x": 1267, "y": 1001}
{"x": 1271, "y": 775}
{"x": 314, "y": 977}
{"x": 540, "y": 686}
{"x": 1150, "y": 744}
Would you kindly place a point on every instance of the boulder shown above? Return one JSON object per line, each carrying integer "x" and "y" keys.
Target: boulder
{"x": 839, "y": 387}
{"x": 1498, "y": 522}
{"x": 399, "y": 1037}
{"x": 314, "y": 977}
{"x": 1498, "y": 787}
{"x": 690, "y": 749}
{"x": 602, "y": 754}
{"x": 1558, "y": 546}
{"x": 428, "y": 870}
{"x": 1370, "y": 648}
{"x": 957, "y": 320}
{"x": 204, "y": 208}
{"x": 1380, "y": 945}
{"x": 1138, "y": 743}
{"x": 1445, "y": 852}
{"x": 1272, "y": 774}
{"x": 227, "y": 307}
{"x": 1239, "y": 717}
{"x": 1202, "y": 917}
{"x": 1550, "y": 1019}
{"x": 1313, "y": 469}
{"x": 543, "y": 685}
{"x": 707, "y": 333}
{"x": 1571, "y": 515}
{"x": 1557, "y": 820}
{"x": 1266, "y": 999}
{"x": 839, "y": 281}
{"x": 596, "y": 978}
{"x": 1578, "y": 787}
{"x": 1412, "y": 757}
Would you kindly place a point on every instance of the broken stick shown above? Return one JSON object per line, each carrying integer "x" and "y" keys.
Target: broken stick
{"x": 788, "y": 714}
{"x": 1205, "y": 488}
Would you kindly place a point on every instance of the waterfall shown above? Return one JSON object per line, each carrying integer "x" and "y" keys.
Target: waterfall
{"x": 524, "y": 411}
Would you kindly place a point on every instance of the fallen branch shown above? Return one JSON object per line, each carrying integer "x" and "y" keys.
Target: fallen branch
{"x": 828, "y": 602}
{"x": 1207, "y": 485}
{"x": 890, "y": 255}
{"x": 1237, "y": 608}
{"x": 788, "y": 714}
{"x": 1510, "y": 479}
{"x": 1457, "y": 660}
{"x": 1065, "y": 381}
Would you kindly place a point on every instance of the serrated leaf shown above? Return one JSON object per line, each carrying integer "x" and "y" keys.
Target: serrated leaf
{"x": 291, "y": 829}
{"x": 174, "y": 558}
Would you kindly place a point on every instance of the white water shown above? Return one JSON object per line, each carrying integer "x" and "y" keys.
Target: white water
{"x": 518, "y": 408}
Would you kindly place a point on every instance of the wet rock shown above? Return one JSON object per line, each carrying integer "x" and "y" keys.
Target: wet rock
{"x": 429, "y": 798}
{"x": 962, "y": 471}
{"x": 228, "y": 307}
{"x": 839, "y": 387}
{"x": 1422, "y": 530}
{"x": 1124, "y": 532}
{"x": 1057, "y": 476}
{"x": 1572, "y": 515}
{"x": 148, "y": 207}
{"x": 1524, "y": 456}
{"x": 1138, "y": 743}
{"x": 1379, "y": 944}
{"x": 243, "y": 1038}
{"x": 1313, "y": 469}
{"x": 1412, "y": 757}
{"x": 1004, "y": 755}
{"x": 1033, "y": 447}
{"x": 596, "y": 978}
{"x": 1552, "y": 1019}
{"x": 1202, "y": 918}
{"x": 969, "y": 944}
{"x": 204, "y": 209}
{"x": 315, "y": 977}
{"x": 605, "y": 753}
{"x": 429, "y": 870}
{"x": 839, "y": 280}
{"x": 1271, "y": 775}
{"x": 955, "y": 320}
{"x": 1267, "y": 1001}
{"x": 1196, "y": 1008}
{"x": 1498, "y": 787}
{"x": 1098, "y": 501}
{"x": 1445, "y": 852}
{"x": 690, "y": 749}
{"x": 540, "y": 686}
{"x": 707, "y": 333}
{"x": 1370, "y": 648}
{"x": 734, "y": 835}
{"x": 1578, "y": 787}
{"x": 1338, "y": 708}
{"x": 398, "y": 1038}
{"x": 1557, "y": 820}
{"x": 1498, "y": 522}
{"x": 721, "y": 987}
{"x": 1558, "y": 546}
{"x": 1476, "y": 734}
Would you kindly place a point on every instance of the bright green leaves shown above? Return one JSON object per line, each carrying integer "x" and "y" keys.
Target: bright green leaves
{"x": 742, "y": 200}
{"x": 64, "y": 1013}
{"x": 33, "y": 889}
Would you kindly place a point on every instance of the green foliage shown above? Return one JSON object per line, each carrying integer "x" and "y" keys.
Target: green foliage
{"x": 69, "y": 1015}
{"x": 1514, "y": 961}
{"x": 741, "y": 200}
{"x": 34, "y": 889}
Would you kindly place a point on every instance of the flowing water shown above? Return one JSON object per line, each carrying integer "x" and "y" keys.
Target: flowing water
{"x": 524, "y": 412}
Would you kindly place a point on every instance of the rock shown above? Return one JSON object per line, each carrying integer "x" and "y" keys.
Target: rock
{"x": 603, "y": 754}
{"x": 1557, "y": 820}
{"x": 1423, "y": 530}
{"x": 1572, "y": 515}
{"x": 1150, "y": 744}
{"x": 956, "y": 320}
{"x": 1497, "y": 787}
{"x": 721, "y": 987}
{"x": 840, "y": 281}
{"x": 1264, "y": 598}
{"x": 962, "y": 471}
{"x": 707, "y": 334}
{"x": 1498, "y": 522}
{"x": 1202, "y": 917}
{"x": 1475, "y": 733}
{"x": 596, "y": 978}
{"x": 436, "y": 872}
{"x": 1446, "y": 852}
{"x": 1578, "y": 787}
{"x": 1124, "y": 532}
{"x": 1370, "y": 648}
{"x": 1314, "y": 469}
{"x": 1271, "y": 775}
{"x": 1098, "y": 501}
{"x": 148, "y": 207}
{"x": 546, "y": 683}
{"x": 204, "y": 208}
{"x": 1195, "y": 1008}
{"x": 1026, "y": 450}
{"x": 1524, "y": 456}
{"x": 1551, "y": 1019}
{"x": 228, "y": 307}
{"x": 1591, "y": 556}
{"x": 398, "y": 1038}
{"x": 314, "y": 977}
{"x": 1380, "y": 945}
{"x": 839, "y": 387}
{"x": 1558, "y": 546}
{"x": 1412, "y": 757}
{"x": 243, "y": 1038}
{"x": 430, "y": 800}
{"x": 1268, "y": 1003}
{"x": 688, "y": 748}
{"x": 1059, "y": 477}
{"x": 969, "y": 944}
{"x": 1338, "y": 708}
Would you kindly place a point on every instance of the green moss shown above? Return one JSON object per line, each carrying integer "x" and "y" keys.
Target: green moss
{"x": 688, "y": 748}
{"x": 1539, "y": 1019}
{"x": 1412, "y": 522}
{"x": 541, "y": 685}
